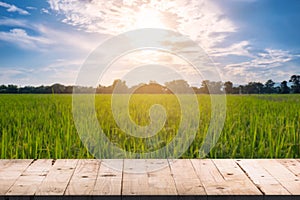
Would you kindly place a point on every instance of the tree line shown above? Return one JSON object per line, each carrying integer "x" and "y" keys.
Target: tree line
{"x": 175, "y": 86}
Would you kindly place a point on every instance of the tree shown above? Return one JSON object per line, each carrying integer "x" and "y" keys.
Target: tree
{"x": 69, "y": 89}
{"x": 42, "y": 89}
{"x": 254, "y": 88}
{"x": 211, "y": 87}
{"x": 215, "y": 87}
{"x": 58, "y": 88}
{"x": 242, "y": 89}
{"x": 174, "y": 86}
{"x": 27, "y": 89}
{"x": 228, "y": 87}
{"x": 295, "y": 79}
{"x": 12, "y": 89}
{"x": 284, "y": 88}
{"x": 204, "y": 87}
{"x": 119, "y": 86}
{"x": 259, "y": 87}
{"x": 196, "y": 90}
{"x": 3, "y": 89}
{"x": 178, "y": 86}
{"x": 151, "y": 88}
{"x": 269, "y": 87}
{"x": 236, "y": 90}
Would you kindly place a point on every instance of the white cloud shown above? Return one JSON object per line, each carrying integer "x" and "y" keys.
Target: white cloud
{"x": 158, "y": 65}
{"x": 13, "y": 8}
{"x": 271, "y": 63}
{"x": 72, "y": 47}
{"x": 47, "y": 38}
{"x": 44, "y": 10}
{"x": 13, "y": 22}
{"x": 22, "y": 39}
{"x": 61, "y": 71}
{"x": 31, "y": 8}
{"x": 270, "y": 58}
{"x": 57, "y": 72}
{"x": 62, "y": 64}
{"x": 239, "y": 49}
{"x": 201, "y": 20}
{"x": 13, "y": 76}
{"x": 70, "y": 40}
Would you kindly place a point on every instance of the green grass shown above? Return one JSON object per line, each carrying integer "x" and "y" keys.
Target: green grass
{"x": 256, "y": 126}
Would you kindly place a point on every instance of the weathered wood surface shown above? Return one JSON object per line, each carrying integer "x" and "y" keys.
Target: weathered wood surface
{"x": 178, "y": 177}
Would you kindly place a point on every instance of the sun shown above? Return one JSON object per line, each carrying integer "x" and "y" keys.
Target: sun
{"x": 148, "y": 18}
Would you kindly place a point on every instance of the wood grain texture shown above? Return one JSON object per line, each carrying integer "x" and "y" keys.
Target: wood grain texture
{"x": 151, "y": 177}
{"x": 109, "y": 179}
{"x": 262, "y": 178}
{"x": 84, "y": 177}
{"x": 283, "y": 175}
{"x": 10, "y": 171}
{"x": 58, "y": 178}
{"x": 186, "y": 180}
{"x": 153, "y": 182}
{"x": 233, "y": 174}
{"x": 31, "y": 178}
{"x": 219, "y": 181}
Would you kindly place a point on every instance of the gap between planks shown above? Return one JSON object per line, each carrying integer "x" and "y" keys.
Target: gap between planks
{"x": 179, "y": 177}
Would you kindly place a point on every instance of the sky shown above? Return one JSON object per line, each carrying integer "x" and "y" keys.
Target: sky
{"x": 47, "y": 42}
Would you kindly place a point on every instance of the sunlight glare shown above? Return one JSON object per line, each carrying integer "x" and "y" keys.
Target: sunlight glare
{"x": 148, "y": 18}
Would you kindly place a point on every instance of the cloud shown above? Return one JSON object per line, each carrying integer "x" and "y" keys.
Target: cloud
{"x": 47, "y": 38}
{"x": 69, "y": 40}
{"x": 31, "y": 8}
{"x": 93, "y": 20}
{"x": 13, "y": 76}
{"x": 44, "y": 10}
{"x": 13, "y": 22}
{"x": 270, "y": 58}
{"x": 13, "y": 8}
{"x": 69, "y": 45}
{"x": 156, "y": 64}
{"x": 201, "y": 20}
{"x": 239, "y": 49}
{"x": 22, "y": 39}
{"x": 61, "y": 71}
{"x": 270, "y": 63}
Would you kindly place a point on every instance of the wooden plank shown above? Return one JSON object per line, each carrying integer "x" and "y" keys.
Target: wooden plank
{"x": 58, "y": 177}
{"x": 109, "y": 181}
{"x": 10, "y": 171}
{"x": 210, "y": 177}
{"x": 31, "y": 178}
{"x": 134, "y": 183}
{"x": 291, "y": 164}
{"x": 160, "y": 181}
{"x": 151, "y": 182}
{"x": 283, "y": 175}
{"x": 261, "y": 177}
{"x": 83, "y": 180}
{"x": 235, "y": 175}
{"x": 213, "y": 181}
{"x": 3, "y": 162}
{"x": 185, "y": 177}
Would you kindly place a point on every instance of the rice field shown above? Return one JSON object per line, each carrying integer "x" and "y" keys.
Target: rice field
{"x": 256, "y": 126}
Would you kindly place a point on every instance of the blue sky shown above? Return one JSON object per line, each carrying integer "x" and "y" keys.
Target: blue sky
{"x": 46, "y": 42}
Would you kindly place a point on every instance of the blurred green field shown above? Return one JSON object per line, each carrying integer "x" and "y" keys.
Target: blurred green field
{"x": 256, "y": 126}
